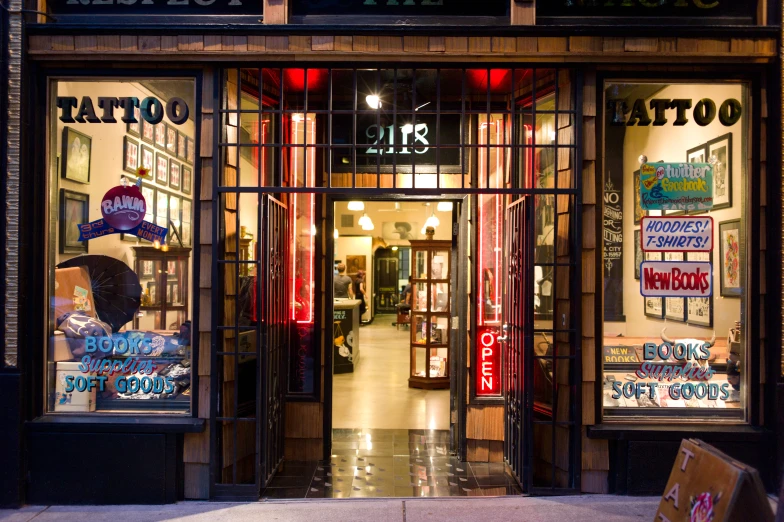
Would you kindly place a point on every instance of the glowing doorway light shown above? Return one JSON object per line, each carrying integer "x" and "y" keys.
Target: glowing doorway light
{"x": 373, "y": 101}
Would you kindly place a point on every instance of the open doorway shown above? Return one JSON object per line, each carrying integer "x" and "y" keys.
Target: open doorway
{"x": 392, "y": 300}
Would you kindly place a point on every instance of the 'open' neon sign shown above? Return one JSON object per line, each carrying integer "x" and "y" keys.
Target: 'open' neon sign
{"x": 488, "y": 359}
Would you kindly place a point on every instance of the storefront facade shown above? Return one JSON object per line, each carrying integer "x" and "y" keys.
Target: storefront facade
{"x": 537, "y": 125}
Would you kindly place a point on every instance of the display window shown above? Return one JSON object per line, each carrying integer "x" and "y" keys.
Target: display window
{"x": 121, "y": 163}
{"x": 675, "y": 257}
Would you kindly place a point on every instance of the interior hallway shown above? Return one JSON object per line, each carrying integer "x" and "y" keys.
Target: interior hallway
{"x": 376, "y": 395}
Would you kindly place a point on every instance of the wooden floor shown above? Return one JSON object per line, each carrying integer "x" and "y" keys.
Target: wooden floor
{"x": 376, "y": 395}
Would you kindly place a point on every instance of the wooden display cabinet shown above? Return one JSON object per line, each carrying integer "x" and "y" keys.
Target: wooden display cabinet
{"x": 165, "y": 281}
{"x": 430, "y": 314}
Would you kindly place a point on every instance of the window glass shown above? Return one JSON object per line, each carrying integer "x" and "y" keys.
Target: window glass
{"x": 122, "y": 164}
{"x": 674, "y": 183}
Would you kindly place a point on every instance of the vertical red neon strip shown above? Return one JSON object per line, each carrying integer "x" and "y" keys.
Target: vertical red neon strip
{"x": 295, "y": 253}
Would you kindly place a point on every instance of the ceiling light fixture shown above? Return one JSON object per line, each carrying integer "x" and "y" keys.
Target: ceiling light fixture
{"x": 432, "y": 221}
{"x": 373, "y": 101}
{"x": 356, "y": 206}
{"x": 444, "y": 206}
{"x": 363, "y": 220}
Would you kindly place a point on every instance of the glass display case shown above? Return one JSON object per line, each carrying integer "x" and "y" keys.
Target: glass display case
{"x": 164, "y": 278}
{"x": 430, "y": 314}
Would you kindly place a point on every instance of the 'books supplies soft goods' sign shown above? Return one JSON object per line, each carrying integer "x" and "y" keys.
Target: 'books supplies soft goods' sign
{"x": 676, "y": 186}
{"x": 676, "y": 234}
{"x": 676, "y": 279}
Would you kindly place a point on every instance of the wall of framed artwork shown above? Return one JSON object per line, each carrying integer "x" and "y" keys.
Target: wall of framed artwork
{"x": 691, "y": 143}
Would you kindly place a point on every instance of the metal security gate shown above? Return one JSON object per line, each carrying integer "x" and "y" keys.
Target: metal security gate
{"x": 518, "y": 317}
{"x": 274, "y": 334}
{"x": 251, "y": 333}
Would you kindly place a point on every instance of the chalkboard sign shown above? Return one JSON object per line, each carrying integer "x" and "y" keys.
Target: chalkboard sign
{"x": 155, "y": 7}
{"x": 401, "y": 7}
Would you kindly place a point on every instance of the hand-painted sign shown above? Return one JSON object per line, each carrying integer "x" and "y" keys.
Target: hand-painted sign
{"x": 123, "y": 210}
{"x": 400, "y": 7}
{"x": 676, "y": 186}
{"x": 706, "y": 485}
{"x": 488, "y": 363}
{"x": 642, "y": 9}
{"x": 151, "y": 109}
{"x": 729, "y": 112}
{"x": 155, "y": 7}
{"x": 676, "y": 279}
{"x": 676, "y": 234}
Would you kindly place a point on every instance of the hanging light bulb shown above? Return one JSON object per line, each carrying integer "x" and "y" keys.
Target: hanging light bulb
{"x": 356, "y": 206}
{"x": 363, "y": 220}
{"x": 165, "y": 247}
{"x": 335, "y": 234}
{"x": 444, "y": 206}
{"x": 432, "y": 221}
{"x": 368, "y": 224}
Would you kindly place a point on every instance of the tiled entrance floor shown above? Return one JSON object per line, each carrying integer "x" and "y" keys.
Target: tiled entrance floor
{"x": 391, "y": 463}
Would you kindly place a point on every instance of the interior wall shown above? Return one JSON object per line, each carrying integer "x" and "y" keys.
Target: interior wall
{"x": 106, "y": 163}
{"x": 669, "y": 143}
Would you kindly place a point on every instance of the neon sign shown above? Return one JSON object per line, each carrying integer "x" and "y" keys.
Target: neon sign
{"x": 488, "y": 363}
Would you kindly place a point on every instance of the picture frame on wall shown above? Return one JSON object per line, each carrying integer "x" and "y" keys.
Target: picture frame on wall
{"x": 74, "y": 210}
{"x": 721, "y": 147}
{"x": 148, "y": 132}
{"x": 730, "y": 282}
{"x": 185, "y": 226}
{"x": 174, "y": 212}
{"x": 76, "y": 155}
{"x": 653, "y": 306}
{"x": 674, "y": 307}
{"x": 182, "y": 152}
{"x": 160, "y": 136}
{"x": 162, "y": 208}
{"x": 190, "y": 151}
{"x": 174, "y": 175}
{"x": 639, "y": 213}
{"x": 135, "y": 129}
{"x": 149, "y": 194}
{"x": 130, "y": 155}
{"x": 147, "y": 160}
{"x": 161, "y": 169}
{"x": 171, "y": 140}
{"x": 638, "y": 254}
{"x": 699, "y": 310}
{"x": 187, "y": 179}
{"x": 147, "y": 267}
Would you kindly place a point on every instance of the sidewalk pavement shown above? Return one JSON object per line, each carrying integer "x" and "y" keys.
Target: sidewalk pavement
{"x": 594, "y": 508}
